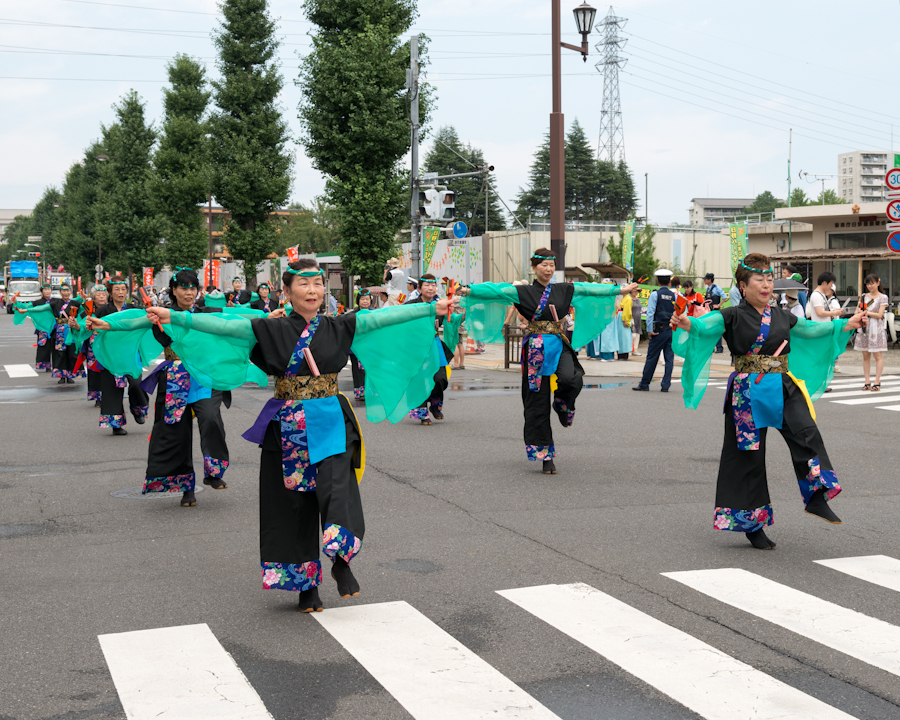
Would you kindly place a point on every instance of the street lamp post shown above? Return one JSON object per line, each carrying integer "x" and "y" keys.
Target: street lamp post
{"x": 584, "y": 20}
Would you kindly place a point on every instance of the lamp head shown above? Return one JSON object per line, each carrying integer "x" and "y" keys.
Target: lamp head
{"x": 584, "y": 18}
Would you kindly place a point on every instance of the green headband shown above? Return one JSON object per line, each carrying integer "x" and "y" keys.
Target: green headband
{"x": 65, "y": 286}
{"x": 543, "y": 257}
{"x": 118, "y": 282}
{"x": 425, "y": 280}
{"x": 306, "y": 273}
{"x": 363, "y": 293}
{"x": 754, "y": 270}
{"x": 178, "y": 268}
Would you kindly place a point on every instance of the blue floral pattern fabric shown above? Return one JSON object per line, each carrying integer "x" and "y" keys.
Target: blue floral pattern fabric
{"x": 93, "y": 395}
{"x": 42, "y": 337}
{"x": 112, "y": 421}
{"x": 121, "y": 381}
{"x": 297, "y": 357}
{"x": 540, "y": 452}
{"x": 337, "y": 540}
{"x": 817, "y": 478}
{"x": 419, "y": 413}
{"x": 170, "y": 484}
{"x": 139, "y": 411}
{"x": 290, "y": 577}
{"x": 178, "y": 385}
{"x": 299, "y": 472}
{"x": 743, "y": 520}
{"x": 42, "y": 366}
{"x": 213, "y": 467}
{"x": 561, "y": 406}
{"x": 360, "y": 393}
{"x": 747, "y": 432}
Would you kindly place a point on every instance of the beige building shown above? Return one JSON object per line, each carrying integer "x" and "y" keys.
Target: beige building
{"x": 861, "y": 176}
{"x": 849, "y": 240}
{"x": 6, "y": 219}
{"x": 714, "y": 211}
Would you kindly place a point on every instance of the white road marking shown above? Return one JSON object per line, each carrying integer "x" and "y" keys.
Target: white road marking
{"x": 857, "y": 391}
{"x": 896, "y": 408}
{"x": 20, "y": 371}
{"x": 874, "y": 397}
{"x": 858, "y": 380}
{"x": 876, "y": 569}
{"x": 700, "y": 677}
{"x": 179, "y": 673}
{"x": 428, "y": 672}
{"x": 865, "y": 638}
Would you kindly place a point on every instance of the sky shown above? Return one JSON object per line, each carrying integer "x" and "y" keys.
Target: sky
{"x": 708, "y": 94}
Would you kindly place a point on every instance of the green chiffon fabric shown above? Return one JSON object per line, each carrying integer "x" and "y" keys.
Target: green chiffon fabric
{"x": 395, "y": 345}
{"x": 219, "y": 301}
{"x": 452, "y": 323}
{"x": 129, "y": 346}
{"x": 41, "y": 316}
{"x": 486, "y": 305}
{"x": 814, "y": 348}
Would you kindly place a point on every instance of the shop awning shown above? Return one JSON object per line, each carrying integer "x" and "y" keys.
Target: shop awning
{"x": 836, "y": 254}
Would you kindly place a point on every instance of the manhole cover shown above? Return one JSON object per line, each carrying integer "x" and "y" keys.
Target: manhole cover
{"x": 132, "y": 493}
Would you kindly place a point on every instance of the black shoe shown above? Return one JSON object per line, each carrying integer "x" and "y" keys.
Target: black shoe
{"x": 664, "y": 389}
{"x": 426, "y": 421}
{"x": 215, "y": 483}
{"x": 61, "y": 381}
{"x": 346, "y": 583}
{"x": 70, "y": 381}
{"x": 760, "y": 540}
{"x": 309, "y": 601}
{"x": 436, "y": 412}
{"x": 98, "y": 404}
{"x": 188, "y": 499}
{"x": 549, "y": 467}
{"x": 818, "y": 506}
{"x": 720, "y": 350}
{"x": 139, "y": 419}
{"x": 120, "y": 431}
{"x": 641, "y": 388}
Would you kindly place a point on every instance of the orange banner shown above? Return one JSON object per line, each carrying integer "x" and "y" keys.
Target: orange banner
{"x": 148, "y": 276}
{"x": 292, "y": 254}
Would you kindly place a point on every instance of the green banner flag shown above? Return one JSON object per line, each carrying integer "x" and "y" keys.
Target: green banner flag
{"x": 738, "y": 233}
{"x": 430, "y": 236}
{"x": 628, "y": 249}
{"x": 896, "y": 160}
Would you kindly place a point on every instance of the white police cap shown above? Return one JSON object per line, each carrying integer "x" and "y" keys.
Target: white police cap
{"x": 663, "y": 273}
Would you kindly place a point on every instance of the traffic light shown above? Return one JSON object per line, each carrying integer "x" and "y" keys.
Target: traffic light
{"x": 437, "y": 205}
{"x": 34, "y": 254}
{"x": 448, "y": 205}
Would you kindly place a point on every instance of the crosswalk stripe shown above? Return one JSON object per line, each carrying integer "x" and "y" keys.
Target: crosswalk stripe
{"x": 20, "y": 371}
{"x": 874, "y": 397}
{"x": 712, "y": 684}
{"x": 888, "y": 407}
{"x": 858, "y": 392}
{"x": 860, "y": 636}
{"x": 178, "y": 673}
{"x": 427, "y": 671}
{"x": 876, "y": 569}
{"x": 858, "y": 380}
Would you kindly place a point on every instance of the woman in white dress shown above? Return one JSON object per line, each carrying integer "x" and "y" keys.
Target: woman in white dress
{"x": 872, "y": 339}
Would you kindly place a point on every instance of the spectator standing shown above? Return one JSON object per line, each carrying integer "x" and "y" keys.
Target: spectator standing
{"x": 872, "y": 339}
{"x": 694, "y": 299}
{"x": 394, "y": 281}
{"x": 715, "y": 296}
{"x": 660, "y": 308}
{"x": 632, "y": 302}
{"x": 817, "y": 309}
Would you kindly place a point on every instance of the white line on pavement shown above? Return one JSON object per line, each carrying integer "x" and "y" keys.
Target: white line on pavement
{"x": 868, "y": 639}
{"x": 874, "y": 397}
{"x": 20, "y": 371}
{"x": 896, "y": 408}
{"x": 712, "y": 684}
{"x": 428, "y": 672}
{"x": 857, "y": 390}
{"x": 876, "y": 569}
{"x": 178, "y": 673}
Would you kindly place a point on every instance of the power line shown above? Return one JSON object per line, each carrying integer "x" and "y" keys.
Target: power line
{"x": 56, "y": 79}
{"x": 159, "y": 9}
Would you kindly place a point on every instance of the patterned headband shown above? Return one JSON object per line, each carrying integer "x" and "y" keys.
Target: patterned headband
{"x": 429, "y": 280}
{"x": 306, "y": 273}
{"x": 543, "y": 257}
{"x": 178, "y": 268}
{"x": 754, "y": 270}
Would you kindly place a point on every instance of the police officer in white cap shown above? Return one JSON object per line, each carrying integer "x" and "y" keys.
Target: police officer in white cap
{"x": 660, "y": 308}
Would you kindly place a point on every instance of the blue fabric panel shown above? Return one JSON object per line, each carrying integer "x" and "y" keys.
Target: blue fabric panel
{"x": 325, "y": 429}
{"x": 553, "y": 346}
{"x": 439, "y": 351}
{"x": 198, "y": 391}
{"x": 767, "y": 400}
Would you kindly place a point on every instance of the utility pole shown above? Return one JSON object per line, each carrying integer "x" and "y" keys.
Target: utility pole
{"x": 646, "y": 201}
{"x": 412, "y": 85}
{"x": 209, "y": 223}
{"x": 790, "y": 222}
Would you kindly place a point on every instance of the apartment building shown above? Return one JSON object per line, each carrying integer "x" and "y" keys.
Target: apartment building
{"x": 861, "y": 176}
{"x": 714, "y": 211}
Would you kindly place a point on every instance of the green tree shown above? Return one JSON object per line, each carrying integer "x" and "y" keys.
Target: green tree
{"x": 251, "y": 165}
{"x": 535, "y": 199}
{"x": 127, "y": 219}
{"x": 354, "y": 117}
{"x": 313, "y": 229}
{"x": 15, "y": 235}
{"x": 581, "y": 175}
{"x": 765, "y": 202}
{"x": 830, "y": 197}
{"x": 799, "y": 198}
{"x": 621, "y": 196}
{"x": 45, "y": 222}
{"x": 444, "y": 158}
{"x": 182, "y": 179}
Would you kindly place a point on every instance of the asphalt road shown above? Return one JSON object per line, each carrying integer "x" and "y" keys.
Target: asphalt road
{"x": 454, "y": 514}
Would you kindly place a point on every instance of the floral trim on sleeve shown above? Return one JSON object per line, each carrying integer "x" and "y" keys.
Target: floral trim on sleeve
{"x": 817, "y": 478}
{"x": 170, "y": 484}
{"x": 337, "y": 540}
{"x": 42, "y": 337}
{"x": 419, "y": 413}
{"x": 139, "y": 411}
{"x": 290, "y": 577}
{"x": 112, "y": 421}
{"x": 540, "y": 452}
{"x": 743, "y": 520}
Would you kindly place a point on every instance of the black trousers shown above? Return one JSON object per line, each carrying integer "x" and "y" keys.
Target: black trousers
{"x": 570, "y": 380}
{"x": 94, "y": 386}
{"x": 44, "y": 354}
{"x": 170, "y": 456}
{"x": 291, "y": 522}
{"x": 112, "y": 399}
{"x": 359, "y": 374}
{"x": 659, "y": 343}
{"x": 743, "y": 485}
{"x": 63, "y": 360}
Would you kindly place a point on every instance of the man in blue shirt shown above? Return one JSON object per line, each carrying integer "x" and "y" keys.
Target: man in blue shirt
{"x": 660, "y": 308}
{"x": 715, "y": 296}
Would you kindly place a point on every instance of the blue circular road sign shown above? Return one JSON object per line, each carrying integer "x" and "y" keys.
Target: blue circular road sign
{"x": 893, "y": 242}
{"x": 460, "y": 230}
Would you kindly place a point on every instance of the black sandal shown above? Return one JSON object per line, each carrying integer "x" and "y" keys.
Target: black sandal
{"x": 866, "y": 387}
{"x": 876, "y": 387}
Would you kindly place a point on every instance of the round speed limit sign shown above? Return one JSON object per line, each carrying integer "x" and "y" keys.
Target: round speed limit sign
{"x": 892, "y": 179}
